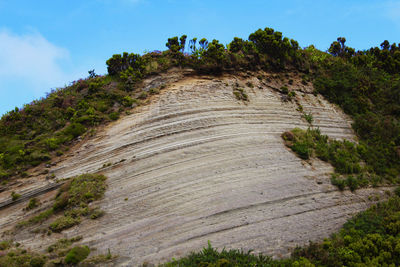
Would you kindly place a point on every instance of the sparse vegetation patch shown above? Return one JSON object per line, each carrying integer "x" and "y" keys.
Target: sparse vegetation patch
{"x": 72, "y": 201}
{"x": 345, "y": 156}
{"x": 240, "y": 94}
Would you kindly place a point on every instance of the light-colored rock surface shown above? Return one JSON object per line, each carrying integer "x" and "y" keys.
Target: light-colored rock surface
{"x": 196, "y": 165}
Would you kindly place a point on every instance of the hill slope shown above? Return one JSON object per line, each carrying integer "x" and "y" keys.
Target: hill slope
{"x": 197, "y": 164}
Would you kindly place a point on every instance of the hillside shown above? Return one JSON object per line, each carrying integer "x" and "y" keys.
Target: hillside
{"x": 200, "y": 156}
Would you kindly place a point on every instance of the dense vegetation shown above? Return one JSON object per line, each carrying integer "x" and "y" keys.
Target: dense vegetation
{"x": 61, "y": 253}
{"x": 366, "y": 84}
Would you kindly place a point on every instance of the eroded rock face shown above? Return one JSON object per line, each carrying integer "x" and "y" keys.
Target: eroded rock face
{"x": 196, "y": 164}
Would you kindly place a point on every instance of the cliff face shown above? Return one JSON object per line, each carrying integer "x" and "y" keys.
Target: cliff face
{"x": 197, "y": 164}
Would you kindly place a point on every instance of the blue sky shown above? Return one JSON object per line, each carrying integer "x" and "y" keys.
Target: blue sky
{"x": 48, "y": 44}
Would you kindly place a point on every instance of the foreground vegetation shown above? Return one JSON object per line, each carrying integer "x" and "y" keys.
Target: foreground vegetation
{"x": 70, "y": 206}
{"x": 61, "y": 253}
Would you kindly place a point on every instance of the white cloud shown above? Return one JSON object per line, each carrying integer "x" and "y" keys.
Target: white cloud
{"x": 32, "y": 59}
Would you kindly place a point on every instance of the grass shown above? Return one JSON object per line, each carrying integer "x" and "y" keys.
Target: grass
{"x": 41, "y": 217}
{"x": 211, "y": 257}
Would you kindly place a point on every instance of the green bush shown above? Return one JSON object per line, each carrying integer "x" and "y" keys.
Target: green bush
{"x": 352, "y": 183}
{"x": 52, "y": 143}
{"x": 33, "y": 203}
{"x": 308, "y": 117}
{"x": 41, "y": 217}
{"x": 397, "y": 191}
{"x": 211, "y": 257}
{"x": 114, "y": 116}
{"x": 77, "y": 254}
{"x": 15, "y": 196}
{"x": 37, "y": 261}
{"x": 62, "y": 244}
{"x": 5, "y": 244}
{"x": 240, "y": 94}
{"x": 74, "y": 130}
{"x": 64, "y": 222}
{"x": 340, "y": 183}
{"x": 302, "y": 149}
{"x": 284, "y": 90}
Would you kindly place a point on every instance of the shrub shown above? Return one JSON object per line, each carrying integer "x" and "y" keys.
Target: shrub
{"x": 308, "y": 117}
{"x": 284, "y": 90}
{"x": 4, "y": 245}
{"x": 302, "y": 149}
{"x": 77, "y": 254}
{"x": 96, "y": 213}
{"x": 114, "y": 116}
{"x": 15, "y": 196}
{"x": 143, "y": 95}
{"x": 352, "y": 183}
{"x": 74, "y": 130}
{"x": 154, "y": 91}
{"x": 79, "y": 191}
{"x": 250, "y": 84}
{"x": 41, "y": 217}
{"x": 52, "y": 143}
{"x": 397, "y": 191}
{"x": 33, "y": 203}
{"x": 209, "y": 256}
{"x": 63, "y": 243}
{"x": 240, "y": 94}
{"x": 38, "y": 261}
{"x": 127, "y": 101}
{"x": 63, "y": 223}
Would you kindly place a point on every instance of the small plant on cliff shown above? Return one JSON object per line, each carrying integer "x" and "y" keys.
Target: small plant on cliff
{"x": 240, "y": 94}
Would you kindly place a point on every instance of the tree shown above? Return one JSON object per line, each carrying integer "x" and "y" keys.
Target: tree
{"x": 272, "y": 43}
{"x": 192, "y": 45}
{"x": 215, "y": 51}
{"x": 173, "y": 44}
{"x": 203, "y": 43}
{"x": 236, "y": 45}
{"x": 339, "y": 49}
{"x": 183, "y": 43}
{"x": 385, "y": 45}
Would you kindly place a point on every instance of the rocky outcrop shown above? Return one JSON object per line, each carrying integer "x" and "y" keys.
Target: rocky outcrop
{"x": 196, "y": 164}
